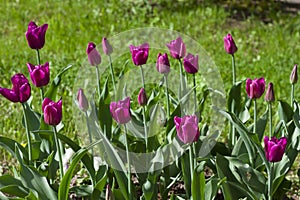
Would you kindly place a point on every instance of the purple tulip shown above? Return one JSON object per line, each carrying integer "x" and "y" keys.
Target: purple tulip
{"x": 39, "y": 74}
{"x": 294, "y": 75}
{"x": 177, "y": 48}
{"x": 270, "y": 96}
{"x": 187, "y": 128}
{"x": 93, "y": 54}
{"x": 190, "y": 63}
{"x": 142, "y": 97}
{"x": 162, "y": 63}
{"x": 107, "y": 48}
{"x": 255, "y": 88}
{"x": 52, "y": 111}
{"x": 120, "y": 110}
{"x": 274, "y": 148}
{"x": 83, "y": 103}
{"x": 20, "y": 91}
{"x": 35, "y": 35}
{"x": 139, "y": 54}
{"x": 229, "y": 44}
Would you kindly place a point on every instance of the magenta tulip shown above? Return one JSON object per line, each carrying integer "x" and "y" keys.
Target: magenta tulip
{"x": 35, "y": 35}
{"x": 229, "y": 44}
{"x": 162, "y": 63}
{"x": 255, "y": 88}
{"x": 294, "y": 75}
{"x": 190, "y": 63}
{"x": 177, "y": 48}
{"x": 107, "y": 48}
{"x": 93, "y": 54}
{"x": 274, "y": 148}
{"x": 39, "y": 74}
{"x": 142, "y": 97}
{"x": 52, "y": 111}
{"x": 270, "y": 96}
{"x": 187, "y": 128}
{"x": 139, "y": 54}
{"x": 120, "y": 111}
{"x": 20, "y": 91}
{"x": 83, "y": 103}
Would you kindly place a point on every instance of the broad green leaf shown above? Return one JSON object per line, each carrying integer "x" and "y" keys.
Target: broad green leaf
{"x": 10, "y": 146}
{"x": 33, "y": 118}
{"x": 82, "y": 191}
{"x": 212, "y": 187}
{"x": 12, "y": 186}
{"x": 261, "y": 125}
{"x": 185, "y": 167}
{"x": 234, "y": 99}
{"x": 285, "y": 111}
{"x": 279, "y": 171}
{"x": 198, "y": 183}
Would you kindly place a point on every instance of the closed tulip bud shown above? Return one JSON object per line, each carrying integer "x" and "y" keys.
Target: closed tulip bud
{"x": 93, "y": 54}
{"x": 83, "y": 103}
{"x": 107, "y": 48}
{"x": 177, "y": 48}
{"x": 162, "y": 63}
{"x": 274, "y": 148}
{"x": 294, "y": 75}
{"x": 190, "y": 63}
{"x": 109, "y": 194}
{"x": 270, "y": 96}
{"x": 255, "y": 88}
{"x": 142, "y": 97}
{"x": 229, "y": 44}
{"x": 120, "y": 111}
{"x": 39, "y": 74}
{"x": 187, "y": 128}
{"x": 139, "y": 54}
{"x": 20, "y": 91}
{"x": 52, "y": 111}
{"x": 35, "y": 35}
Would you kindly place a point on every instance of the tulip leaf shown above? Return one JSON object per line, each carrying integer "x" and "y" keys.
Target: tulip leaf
{"x": 234, "y": 99}
{"x": 285, "y": 112}
{"x": 99, "y": 187}
{"x": 10, "y": 146}
{"x": 12, "y": 186}
{"x": 33, "y": 118}
{"x": 198, "y": 183}
{"x": 185, "y": 167}
{"x": 212, "y": 187}
{"x": 279, "y": 171}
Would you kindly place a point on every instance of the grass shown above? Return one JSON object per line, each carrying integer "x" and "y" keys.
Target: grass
{"x": 268, "y": 50}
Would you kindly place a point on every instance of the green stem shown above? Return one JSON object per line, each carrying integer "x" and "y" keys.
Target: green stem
{"x": 112, "y": 74}
{"x": 58, "y": 149}
{"x": 142, "y": 76}
{"x": 91, "y": 140}
{"x": 270, "y": 118}
{"x": 195, "y": 93}
{"x": 191, "y": 162}
{"x": 270, "y": 180}
{"x": 233, "y": 70}
{"x": 255, "y": 116}
{"x": 167, "y": 95}
{"x": 128, "y": 163}
{"x": 195, "y": 154}
{"x": 42, "y": 93}
{"x": 38, "y": 57}
{"x": 98, "y": 80}
{"x": 181, "y": 79}
{"x": 27, "y": 134}
{"x": 292, "y": 94}
{"x": 145, "y": 128}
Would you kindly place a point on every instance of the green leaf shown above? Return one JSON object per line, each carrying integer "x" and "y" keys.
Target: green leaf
{"x": 185, "y": 167}
{"x": 285, "y": 111}
{"x": 212, "y": 187}
{"x": 234, "y": 99}
{"x": 10, "y": 146}
{"x": 279, "y": 171}
{"x": 198, "y": 184}
{"x": 99, "y": 187}
{"x": 32, "y": 117}
{"x": 261, "y": 125}
{"x": 12, "y": 186}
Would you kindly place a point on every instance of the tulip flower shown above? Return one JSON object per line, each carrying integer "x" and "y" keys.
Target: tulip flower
{"x": 120, "y": 110}
{"x": 93, "y": 54}
{"x": 229, "y": 44}
{"x": 190, "y": 63}
{"x": 162, "y": 63}
{"x": 270, "y": 96}
{"x": 274, "y": 148}
{"x": 52, "y": 111}
{"x": 142, "y": 97}
{"x": 20, "y": 91}
{"x": 139, "y": 54}
{"x": 39, "y": 74}
{"x": 35, "y": 35}
{"x": 83, "y": 103}
{"x": 294, "y": 75}
{"x": 177, "y": 48}
{"x": 255, "y": 88}
{"x": 107, "y": 48}
{"x": 187, "y": 128}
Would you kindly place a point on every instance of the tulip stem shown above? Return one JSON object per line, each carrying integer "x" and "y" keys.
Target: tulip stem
{"x": 128, "y": 163}
{"x": 98, "y": 80}
{"x": 233, "y": 70}
{"x": 270, "y": 116}
{"x": 181, "y": 80}
{"x": 112, "y": 74}
{"x": 270, "y": 180}
{"x": 27, "y": 134}
{"x": 145, "y": 127}
{"x": 42, "y": 93}
{"x": 195, "y": 93}
{"x": 255, "y": 116}
{"x": 38, "y": 57}
{"x": 167, "y": 95}
{"x": 142, "y": 76}
{"x": 191, "y": 156}
{"x": 292, "y": 95}
{"x": 58, "y": 149}
{"x": 89, "y": 130}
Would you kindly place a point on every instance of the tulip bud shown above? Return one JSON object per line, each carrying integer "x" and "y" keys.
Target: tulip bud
{"x": 109, "y": 194}
{"x": 93, "y": 54}
{"x": 294, "y": 75}
{"x": 190, "y": 63}
{"x": 52, "y": 111}
{"x": 177, "y": 48}
{"x": 255, "y": 88}
{"x": 270, "y": 96}
{"x": 142, "y": 97}
{"x": 187, "y": 128}
{"x": 162, "y": 63}
{"x": 274, "y": 148}
{"x": 83, "y": 103}
{"x": 107, "y": 48}
{"x": 229, "y": 44}
{"x": 120, "y": 110}
{"x": 35, "y": 35}
{"x": 39, "y": 74}
{"x": 139, "y": 54}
